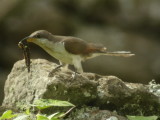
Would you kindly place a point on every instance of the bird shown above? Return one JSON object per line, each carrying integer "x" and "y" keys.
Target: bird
{"x": 69, "y": 50}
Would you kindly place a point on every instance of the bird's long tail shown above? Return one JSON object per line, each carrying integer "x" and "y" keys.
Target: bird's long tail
{"x": 120, "y": 53}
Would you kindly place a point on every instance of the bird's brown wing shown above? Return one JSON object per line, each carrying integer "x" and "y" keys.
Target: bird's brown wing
{"x": 78, "y": 46}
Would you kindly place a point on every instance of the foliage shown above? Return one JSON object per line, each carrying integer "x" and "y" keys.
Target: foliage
{"x": 7, "y": 115}
{"x": 43, "y": 103}
{"x": 40, "y": 104}
{"x": 142, "y": 117}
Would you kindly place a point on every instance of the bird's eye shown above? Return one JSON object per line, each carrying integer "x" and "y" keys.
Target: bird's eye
{"x": 38, "y": 36}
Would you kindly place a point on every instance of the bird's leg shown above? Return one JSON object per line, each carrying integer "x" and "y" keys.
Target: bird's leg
{"x": 77, "y": 68}
{"x": 74, "y": 73}
{"x": 56, "y": 69}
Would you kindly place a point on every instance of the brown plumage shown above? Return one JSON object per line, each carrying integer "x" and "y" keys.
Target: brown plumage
{"x": 81, "y": 47}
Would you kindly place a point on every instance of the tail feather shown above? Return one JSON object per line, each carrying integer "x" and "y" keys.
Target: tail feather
{"x": 120, "y": 53}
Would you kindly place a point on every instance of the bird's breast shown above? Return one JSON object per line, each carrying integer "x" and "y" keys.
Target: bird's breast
{"x": 57, "y": 50}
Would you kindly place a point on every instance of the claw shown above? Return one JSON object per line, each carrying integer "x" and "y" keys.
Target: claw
{"x": 74, "y": 76}
{"x": 54, "y": 70}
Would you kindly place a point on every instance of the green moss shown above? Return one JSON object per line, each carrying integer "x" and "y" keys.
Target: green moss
{"x": 140, "y": 105}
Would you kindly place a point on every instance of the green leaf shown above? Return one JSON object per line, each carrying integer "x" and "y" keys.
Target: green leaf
{"x": 7, "y": 115}
{"x": 54, "y": 119}
{"x": 22, "y": 117}
{"x": 142, "y": 117}
{"x": 41, "y": 117}
{"x": 55, "y": 116}
{"x": 28, "y": 112}
{"x": 60, "y": 115}
{"x": 46, "y": 103}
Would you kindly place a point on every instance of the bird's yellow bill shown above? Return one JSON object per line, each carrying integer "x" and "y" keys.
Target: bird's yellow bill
{"x": 30, "y": 39}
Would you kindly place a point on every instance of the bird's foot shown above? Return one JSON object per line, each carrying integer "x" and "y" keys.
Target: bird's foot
{"x": 54, "y": 70}
{"x": 75, "y": 75}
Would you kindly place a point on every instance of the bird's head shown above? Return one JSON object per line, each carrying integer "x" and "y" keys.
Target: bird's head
{"x": 37, "y": 35}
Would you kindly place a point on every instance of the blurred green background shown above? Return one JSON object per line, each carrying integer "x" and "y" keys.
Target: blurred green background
{"x": 131, "y": 25}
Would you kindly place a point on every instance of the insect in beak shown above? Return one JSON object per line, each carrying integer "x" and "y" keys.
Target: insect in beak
{"x": 23, "y": 44}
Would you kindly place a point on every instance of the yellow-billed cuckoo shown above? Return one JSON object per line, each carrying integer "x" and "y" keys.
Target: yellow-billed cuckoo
{"x": 70, "y": 50}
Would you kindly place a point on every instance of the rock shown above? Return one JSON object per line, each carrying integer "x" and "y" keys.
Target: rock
{"x": 22, "y": 87}
{"x": 154, "y": 88}
{"x": 94, "y": 114}
{"x": 105, "y": 92}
